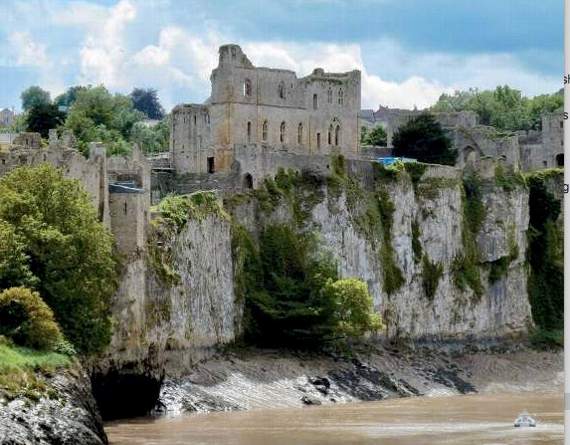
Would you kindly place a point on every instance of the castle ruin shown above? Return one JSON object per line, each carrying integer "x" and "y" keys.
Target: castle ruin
{"x": 253, "y": 106}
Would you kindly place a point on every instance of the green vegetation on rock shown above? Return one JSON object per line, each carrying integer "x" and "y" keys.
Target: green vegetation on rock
{"x": 466, "y": 267}
{"x": 292, "y": 293}
{"x": 431, "y": 274}
{"x": 545, "y": 256}
{"x": 416, "y": 242}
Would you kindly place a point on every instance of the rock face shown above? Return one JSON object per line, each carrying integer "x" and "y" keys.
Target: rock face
{"x": 176, "y": 304}
{"x": 68, "y": 416}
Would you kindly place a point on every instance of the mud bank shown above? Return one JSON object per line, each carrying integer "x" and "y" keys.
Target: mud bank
{"x": 255, "y": 379}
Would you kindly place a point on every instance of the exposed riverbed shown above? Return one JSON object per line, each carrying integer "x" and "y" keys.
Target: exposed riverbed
{"x": 380, "y": 395}
{"x": 461, "y": 420}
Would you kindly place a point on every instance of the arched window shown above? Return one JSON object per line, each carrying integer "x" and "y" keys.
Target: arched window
{"x": 340, "y": 96}
{"x": 247, "y": 88}
{"x": 315, "y": 102}
{"x": 300, "y": 134}
{"x": 248, "y": 181}
{"x": 337, "y": 135}
{"x": 318, "y": 140}
{"x": 329, "y": 139}
{"x": 281, "y": 90}
{"x": 329, "y": 96}
{"x": 282, "y": 132}
{"x": 194, "y": 119}
{"x": 264, "y": 131}
{"x": 248, "y": 132}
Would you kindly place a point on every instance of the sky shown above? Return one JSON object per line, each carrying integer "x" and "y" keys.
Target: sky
{"x": 409, "y": 51}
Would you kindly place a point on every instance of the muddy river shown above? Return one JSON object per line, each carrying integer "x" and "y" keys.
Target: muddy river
{"x": 472, "y": 419}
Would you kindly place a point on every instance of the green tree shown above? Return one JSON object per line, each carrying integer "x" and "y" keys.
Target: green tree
{"x": 147, "y": 102}
{"x": 41, "y": 118}
{"x": 376, "y": 137}
{"x": 423, "y": 138}
{"x": 33, "y": 97}
{"x": 67, "y": 250}
{"x": 152, "y": 139}
{"x": 97, "y": 115}
{"x": 14, "y": 262}
{"x": 504, "y": 107}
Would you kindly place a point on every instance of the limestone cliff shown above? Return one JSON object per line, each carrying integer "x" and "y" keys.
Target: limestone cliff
{"x": 443, "y": 257}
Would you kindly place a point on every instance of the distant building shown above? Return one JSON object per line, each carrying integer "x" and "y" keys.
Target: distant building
{"x": 7, "y": 117}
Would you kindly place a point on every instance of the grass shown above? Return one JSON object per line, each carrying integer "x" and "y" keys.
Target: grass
{"x": 22, "y": 370}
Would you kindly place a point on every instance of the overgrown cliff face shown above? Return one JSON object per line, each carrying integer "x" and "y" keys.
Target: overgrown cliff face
{"x": 431, "y": 272}
{"x": 443, "y": 256}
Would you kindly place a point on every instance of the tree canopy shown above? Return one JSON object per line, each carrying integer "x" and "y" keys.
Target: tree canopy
{"x": 68, "y": 98}
{"x": 41, "y": 118}
{"x": 52, "y": 242}
{"x": 505, "y": 108}
{"x": 422, "y": 138}
{"x": 97, "y": 115}
{"x": 34, "y": 96}
{"x": 377, "y": 136}
{"x": 147, "y": 102}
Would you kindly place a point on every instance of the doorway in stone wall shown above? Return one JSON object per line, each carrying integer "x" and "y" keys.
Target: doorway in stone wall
{"x": 211, "y": 165}
{"x": 560, "y": 159}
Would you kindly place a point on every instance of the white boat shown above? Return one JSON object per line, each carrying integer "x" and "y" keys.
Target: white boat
{"x": 524, "y": 420}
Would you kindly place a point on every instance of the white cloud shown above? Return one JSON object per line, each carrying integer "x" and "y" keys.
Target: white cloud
{"x": 103, "y": 53}
{"x": 26, "y": 50}
{"x": 178, "y": 60}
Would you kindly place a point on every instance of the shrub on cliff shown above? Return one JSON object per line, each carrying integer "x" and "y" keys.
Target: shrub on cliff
{"x": 292, "y": 293}
{"x": 27, "y": 320}
{"x": 62, "y": 250}
{"x": 422, "y": 138}
{"x": 354, "y": 315}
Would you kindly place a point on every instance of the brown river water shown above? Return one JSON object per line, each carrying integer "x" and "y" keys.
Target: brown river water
{"x": 485, "y": 419}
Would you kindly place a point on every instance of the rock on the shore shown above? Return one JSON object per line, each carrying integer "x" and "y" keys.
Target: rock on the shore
{"x": 66, "y": 415}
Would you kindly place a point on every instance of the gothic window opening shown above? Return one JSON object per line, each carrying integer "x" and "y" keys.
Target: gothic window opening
{"x": 318, "y": 140}
{"x": 247, "y": 88}
{"x": 329, "y": 96}
{"x": 329, "y": 139}
{"x": 315, "y": 102}
{"x": 211, "y": 165}
{"x": 337, "y": 135}
{"x": 560, "y": 159}
{"x": 248, "y": 132}
{"x": 300, "y": 134}
{"x": 281, "y": 90}
{"x": 194, "y": 119}
{"x": 340, "y": 97}
{"x": 282, "y": 132}
{"x": 264, "y": 131}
